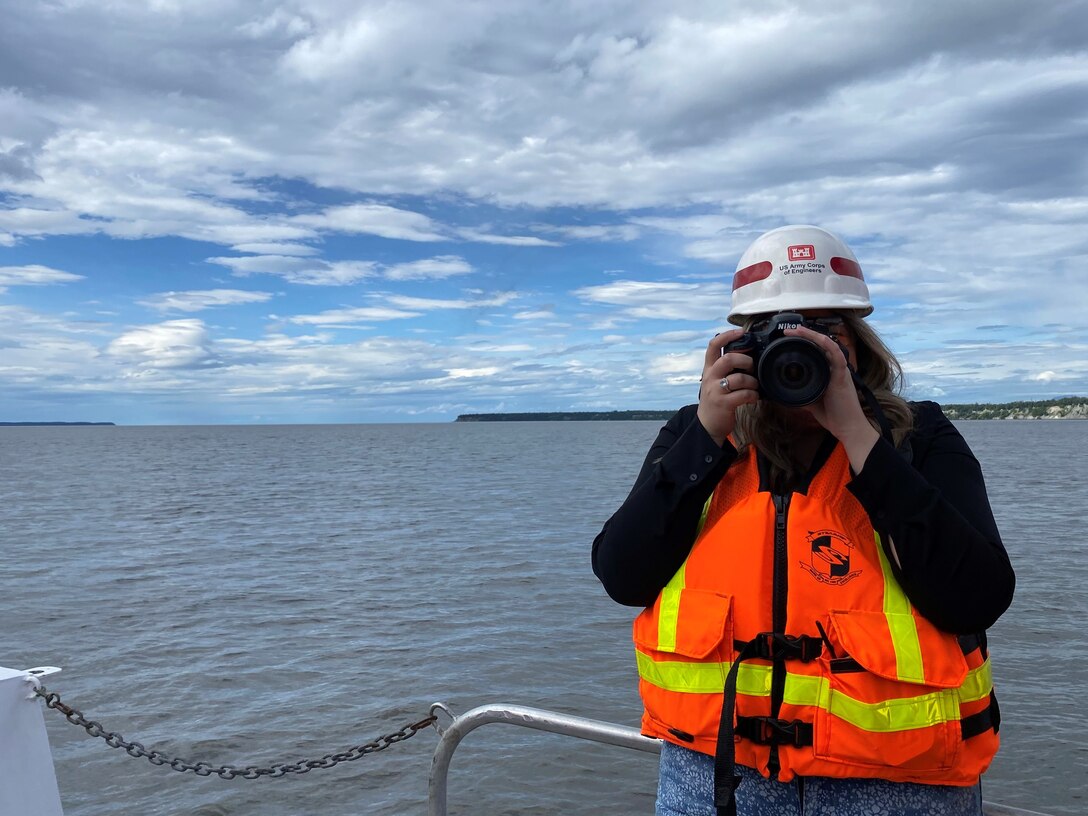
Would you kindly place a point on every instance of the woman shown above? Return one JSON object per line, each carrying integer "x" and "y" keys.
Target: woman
{"x": 817, "y": 578}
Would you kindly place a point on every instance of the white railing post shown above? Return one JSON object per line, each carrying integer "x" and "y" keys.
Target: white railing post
{"x": 28, "y": 783}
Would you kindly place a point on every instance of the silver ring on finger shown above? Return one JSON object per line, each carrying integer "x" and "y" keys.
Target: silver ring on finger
{"x": 724, "y": 383}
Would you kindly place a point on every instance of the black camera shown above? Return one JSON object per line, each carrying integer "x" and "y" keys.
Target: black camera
{"x": 791, "y": 371}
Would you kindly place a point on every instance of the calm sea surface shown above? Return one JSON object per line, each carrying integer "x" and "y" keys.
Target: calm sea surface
{"x": 251, "y": 595}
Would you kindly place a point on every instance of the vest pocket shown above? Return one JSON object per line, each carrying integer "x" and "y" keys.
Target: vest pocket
{"x": 900, "y": 646}
{"x": 891, "y": 699}
{"x": 683, "y": 644}
{"x": 688, "y": 623}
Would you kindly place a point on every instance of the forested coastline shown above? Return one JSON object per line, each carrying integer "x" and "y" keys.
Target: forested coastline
{"x": 1063, "y": 408}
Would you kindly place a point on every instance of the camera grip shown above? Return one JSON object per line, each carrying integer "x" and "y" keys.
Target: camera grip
{"x": 743, "y": 344}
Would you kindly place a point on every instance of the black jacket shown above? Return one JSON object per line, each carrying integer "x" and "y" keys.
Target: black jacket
{"x": 932, "y": 504}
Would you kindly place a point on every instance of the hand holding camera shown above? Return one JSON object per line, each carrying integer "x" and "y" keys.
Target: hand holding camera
{"x": 726, "y": 383}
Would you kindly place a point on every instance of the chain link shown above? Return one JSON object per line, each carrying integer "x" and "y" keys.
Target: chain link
{"x": 135, "y": 749}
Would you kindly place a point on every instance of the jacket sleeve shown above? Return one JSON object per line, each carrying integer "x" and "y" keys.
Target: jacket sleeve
{"x": 647, "y": 539}
{"x": 935, "y": 511}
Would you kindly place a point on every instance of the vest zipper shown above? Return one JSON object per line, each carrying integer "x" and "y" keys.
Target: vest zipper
{"x": 778, "y": 612}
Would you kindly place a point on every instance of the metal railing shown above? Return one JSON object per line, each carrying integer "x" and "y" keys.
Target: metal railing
{"x": 28, "y": 782}
{"x": 567, "y": 725}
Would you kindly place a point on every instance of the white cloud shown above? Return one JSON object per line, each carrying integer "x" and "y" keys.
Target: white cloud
{"x": 272, "y": 248}
{"x": 442, "y": 266}
{"x": 35, "y": 221}
{"x": 352, "y": 316}
{"x": 691, "y": 226}
{"x": 279, "y": 24}
{"x": 483, "y": 237}
{"x": 308, "y": 271}
{"x": 375, "y": 219}
{"x": 597, "y": 232}
{"x": 537, "y": 314}
{"x": 34, "y": 275}
{"x": 498, "y": 348}
{"x": 198, "y": 300}
{"x": 172, "y": 344}
{"x": 40, "y": 348}
{"x": 464, "y": 373}
{"x": 677, "y": 369}
{"x": 662, "y": 300}
{"x": 686, "y": 338}
{"x": 341, "y": 48}
{"x": 428, "y": 304}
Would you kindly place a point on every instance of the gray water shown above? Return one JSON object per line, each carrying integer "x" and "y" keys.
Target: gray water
{"x": 252, "y": 595}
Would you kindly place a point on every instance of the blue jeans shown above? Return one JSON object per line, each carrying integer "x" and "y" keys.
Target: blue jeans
{"x": 686, "y": 788}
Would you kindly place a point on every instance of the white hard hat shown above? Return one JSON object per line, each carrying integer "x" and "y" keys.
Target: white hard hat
{"x": 797, "y": 267}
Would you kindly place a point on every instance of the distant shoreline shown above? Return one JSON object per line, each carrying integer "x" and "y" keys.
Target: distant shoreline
{"x": 1063, "y": 408}
{"x": 20, "y": 424}
{"x": 577, "y": 416}
{"x": 565, "y": 416}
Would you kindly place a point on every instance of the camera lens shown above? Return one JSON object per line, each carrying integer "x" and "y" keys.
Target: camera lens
{"x": 793, "y": 372}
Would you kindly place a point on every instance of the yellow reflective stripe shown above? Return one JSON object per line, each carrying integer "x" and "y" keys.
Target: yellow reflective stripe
{"x": 668, "y": 612}
{"x": 899, "y": 714}
{"x": 979, "y": 683}
{"x": 904, "y": 632}
{"x": 702, "y": 517}
{"x": 703, "y": 678}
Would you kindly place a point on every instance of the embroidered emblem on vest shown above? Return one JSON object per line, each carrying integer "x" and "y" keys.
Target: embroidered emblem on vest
{"x": 830, "y": 562}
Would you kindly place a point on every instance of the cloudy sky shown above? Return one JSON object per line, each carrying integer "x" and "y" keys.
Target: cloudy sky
{"x": 234, "y": 211}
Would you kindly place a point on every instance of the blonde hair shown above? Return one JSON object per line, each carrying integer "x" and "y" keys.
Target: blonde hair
{"x": 768, "y": 426}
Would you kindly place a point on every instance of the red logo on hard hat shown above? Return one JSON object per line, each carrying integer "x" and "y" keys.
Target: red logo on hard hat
{"x": 801, "y": 252}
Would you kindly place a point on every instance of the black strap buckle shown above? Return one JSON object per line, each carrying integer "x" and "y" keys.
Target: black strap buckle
{"x": 773, "y": 731}
{"x": 769, "y": 646}
{"x": 780, "y": 646}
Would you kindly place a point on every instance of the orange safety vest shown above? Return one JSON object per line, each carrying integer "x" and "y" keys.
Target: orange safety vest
{"x": 836, "y": 673}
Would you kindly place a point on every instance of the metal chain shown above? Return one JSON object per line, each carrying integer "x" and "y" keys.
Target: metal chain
{"x": 135, "y": 749}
